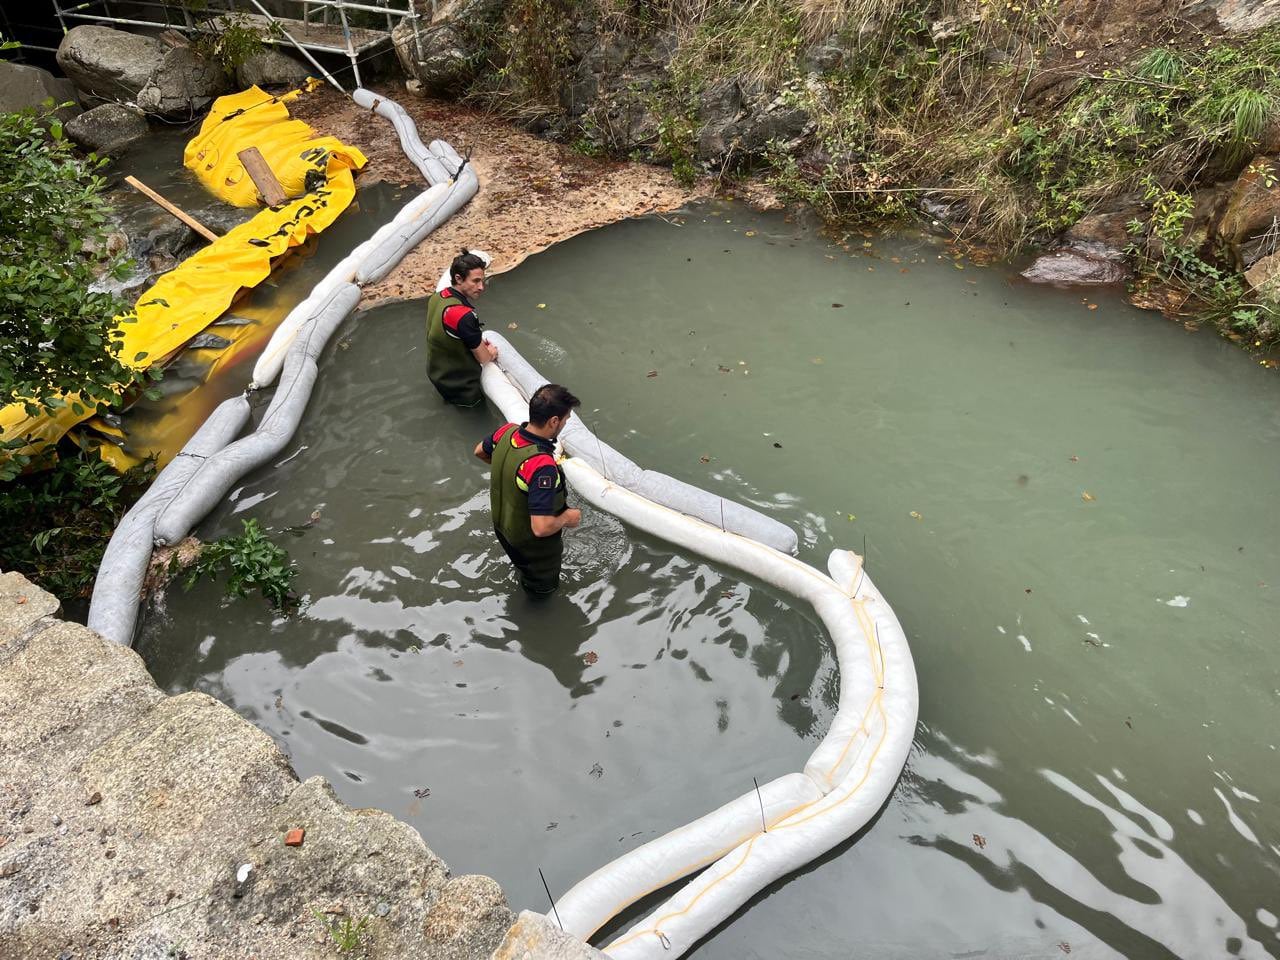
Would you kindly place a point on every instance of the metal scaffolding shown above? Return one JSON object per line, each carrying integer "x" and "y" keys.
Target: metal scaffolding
{"x": 356, "y": 29}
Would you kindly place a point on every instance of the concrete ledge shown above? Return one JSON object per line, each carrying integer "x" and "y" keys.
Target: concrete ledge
{"x": 137, "y": 825}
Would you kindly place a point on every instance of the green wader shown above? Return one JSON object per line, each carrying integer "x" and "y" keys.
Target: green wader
{"x": 537, "y": 558}
{"x": 451, "y": 367}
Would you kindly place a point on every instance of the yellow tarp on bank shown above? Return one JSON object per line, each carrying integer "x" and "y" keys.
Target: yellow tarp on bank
{"x": 195, "y": 293}
{"x": 254, "y": 118}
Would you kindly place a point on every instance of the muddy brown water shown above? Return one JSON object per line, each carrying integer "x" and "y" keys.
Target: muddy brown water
{"x": 1072, "y": 511}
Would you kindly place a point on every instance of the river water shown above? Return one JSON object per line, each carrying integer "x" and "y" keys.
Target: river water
{"x": 1069, "y": 503}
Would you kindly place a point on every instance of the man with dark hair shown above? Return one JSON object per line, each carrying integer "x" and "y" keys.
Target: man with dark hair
{"x": 527, "y": 488}
{"x": 455, "y": 346}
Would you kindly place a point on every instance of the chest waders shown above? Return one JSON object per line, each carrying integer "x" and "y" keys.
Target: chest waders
{"x": 451, "y": 367}
{"x": 537, "y": 558}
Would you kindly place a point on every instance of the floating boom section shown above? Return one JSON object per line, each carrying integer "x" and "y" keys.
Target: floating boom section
{"x": 214, "y": 460}
{"x": 846, "y": 779}
{"x": 581, "y": 443}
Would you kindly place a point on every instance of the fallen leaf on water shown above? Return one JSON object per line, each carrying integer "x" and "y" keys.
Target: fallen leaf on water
{"x": 979, "y": 841}
{"x": 590, "y": 657}
{"x": 1087, "y": 497}
{"x": 704, "y": 459}
{"x": 542, "y": 306}
{"x": 850, "y": 517}
{"x": 1093, "y": 306}
{"x": 777, "y": 444}
{"x": 837, "y": 305}
{"x": 903, "y": 270}
{"x": 513, "y": 326}
{"x": 915, "y": 515}
{"x": 750, "y": 233}
{"x": 651, "y": 374}
{"x": 1073, "y": 458}
{"x": 817, "y": 360}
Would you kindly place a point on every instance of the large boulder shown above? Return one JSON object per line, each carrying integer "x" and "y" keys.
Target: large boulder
{"x": 109, "y": 64}
{"x": 1072, "y": 267}
{"x": 271, "y": 68}
{"x": 23, "y": 87}
{"x": 1250, "y": 210}
{"x": 448, "y": 51}
{"x": 109, "y": 129}
{"x": 183, "y": 85}
{"x": 1238, "y": 16}
{"x": 123, "y": 67}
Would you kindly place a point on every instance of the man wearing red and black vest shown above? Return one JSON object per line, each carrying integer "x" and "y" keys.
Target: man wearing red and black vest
{"x": 527, "y": 488}
{"x": 455, "y": 346}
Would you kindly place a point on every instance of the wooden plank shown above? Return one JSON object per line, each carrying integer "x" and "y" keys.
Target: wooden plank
{"x": 255, "y": 164}
{"x": 186, "y": 218}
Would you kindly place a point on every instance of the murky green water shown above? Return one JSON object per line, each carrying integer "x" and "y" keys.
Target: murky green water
{"x": 1095, "y": 769}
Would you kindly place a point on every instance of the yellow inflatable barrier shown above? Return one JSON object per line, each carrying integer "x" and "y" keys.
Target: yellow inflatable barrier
{"x": 188, "y": 298}
{"x": 291, "y": 148}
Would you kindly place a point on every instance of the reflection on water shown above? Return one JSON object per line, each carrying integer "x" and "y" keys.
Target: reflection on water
{"x": 1095, "y": 769}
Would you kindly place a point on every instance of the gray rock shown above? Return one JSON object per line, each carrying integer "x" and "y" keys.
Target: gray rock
{"x": 535, "y": 936}
{"x": 824, "y": 58}
{"x": 108, "y": 64}
{"x": 108, "y": 129}
{"x": 1238, "y": 16}
{"x": 183, "y": 85}
{"x": 271, "y": 68}
{"x": 1264, "y": 279}
{"x": 441, "y": 61}
{"x": 123, "y": 67}
{"x": 448, "y": 51}
{"x": 21, "y": 605}
{"x": 23, "y": 87}
{"x": 1071, "y": 267}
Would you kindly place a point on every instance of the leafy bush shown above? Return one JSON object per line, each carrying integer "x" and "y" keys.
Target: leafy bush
{"x": 57, "y": 335}
{"x": 232, "y": 38}
{"x": 55, "y": 525}
{"x": 250, "y": 561}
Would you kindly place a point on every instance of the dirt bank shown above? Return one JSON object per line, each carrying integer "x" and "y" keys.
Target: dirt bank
{"x": 532, "y": 193}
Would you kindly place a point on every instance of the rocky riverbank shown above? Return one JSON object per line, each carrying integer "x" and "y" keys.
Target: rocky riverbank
{"x": 133, "y": 824}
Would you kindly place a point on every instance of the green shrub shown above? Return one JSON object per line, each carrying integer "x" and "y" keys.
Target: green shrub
{"x": 250, "y": 561}
{"x": 57, "y": 334}
{"x": 54, "y": 525}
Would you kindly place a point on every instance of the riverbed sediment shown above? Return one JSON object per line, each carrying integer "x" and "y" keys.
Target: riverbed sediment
{"x": 533, "y": 193}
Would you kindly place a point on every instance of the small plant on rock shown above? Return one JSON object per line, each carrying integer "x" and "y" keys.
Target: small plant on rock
{"x": 347, "y": 935}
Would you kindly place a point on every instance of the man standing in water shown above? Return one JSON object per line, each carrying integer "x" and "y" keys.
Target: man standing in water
{"x": 527, "y": 489}
{"x": 456, "y": 349}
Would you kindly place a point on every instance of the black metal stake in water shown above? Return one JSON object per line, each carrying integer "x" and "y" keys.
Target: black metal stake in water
{"x": 763, "y": 823}
{"x": 551, "y": 898}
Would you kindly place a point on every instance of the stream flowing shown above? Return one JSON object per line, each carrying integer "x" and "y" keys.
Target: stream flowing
{"x": 1069, "y": 503}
